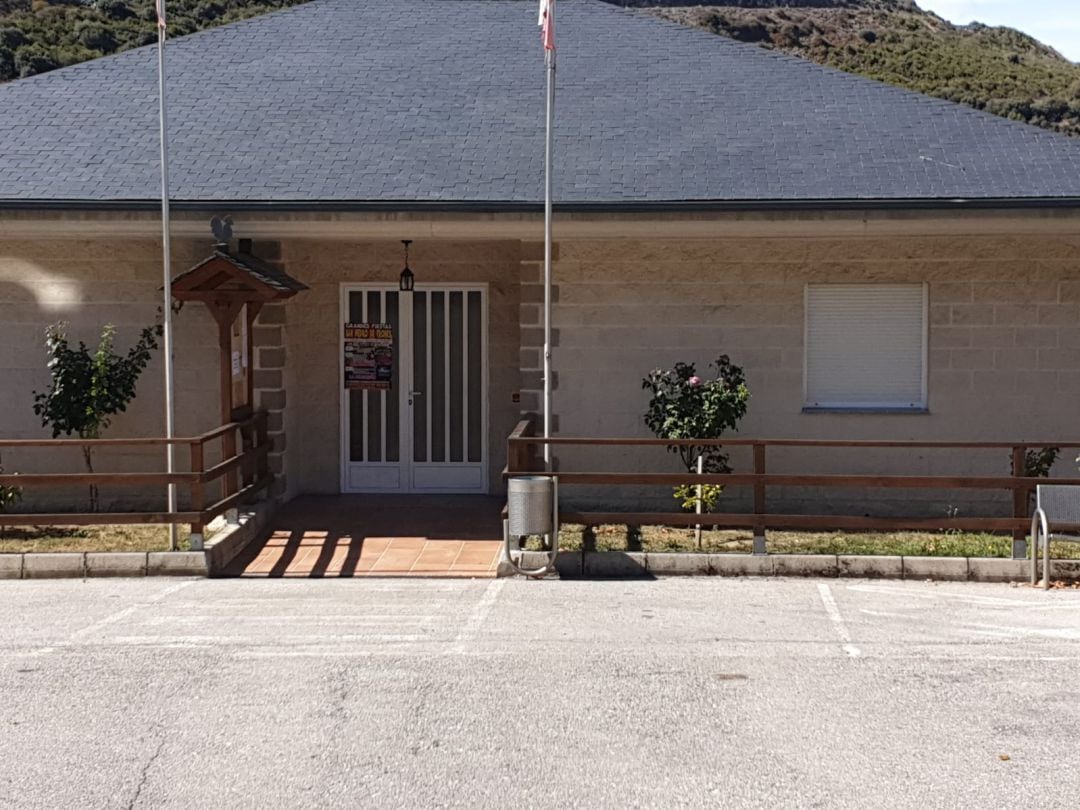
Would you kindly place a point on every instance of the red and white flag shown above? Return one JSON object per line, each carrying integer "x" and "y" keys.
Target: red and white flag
{"x": 160, "y": 4}
{"x": 547, "y": 24}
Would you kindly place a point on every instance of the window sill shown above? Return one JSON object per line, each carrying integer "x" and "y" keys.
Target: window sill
{"x": 885, "y": 410}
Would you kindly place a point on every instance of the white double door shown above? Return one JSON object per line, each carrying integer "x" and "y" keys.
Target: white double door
{"x": 428, "y": 431}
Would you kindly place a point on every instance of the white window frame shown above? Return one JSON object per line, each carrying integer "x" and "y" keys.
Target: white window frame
{"x": 856, "y": 407}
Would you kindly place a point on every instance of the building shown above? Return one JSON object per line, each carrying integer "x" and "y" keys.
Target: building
{"x": 882, "y": 264}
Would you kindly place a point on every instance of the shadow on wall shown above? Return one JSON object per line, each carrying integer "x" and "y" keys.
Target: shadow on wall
{"x": 89, "y": 284}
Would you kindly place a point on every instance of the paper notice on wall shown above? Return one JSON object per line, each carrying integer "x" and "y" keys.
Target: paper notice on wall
{"x": 236, "y": 364}
{"x": 369, "y": 356}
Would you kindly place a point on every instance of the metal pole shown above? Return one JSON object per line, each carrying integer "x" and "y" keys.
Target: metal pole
{"x": 697, "y": 527}
{"x": 170, "y": 410}
{"x": 550, "y": 60}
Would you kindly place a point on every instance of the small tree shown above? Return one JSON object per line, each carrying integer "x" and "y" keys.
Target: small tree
{"x": 685, "y": 406}
{"x": 89, "y": 388}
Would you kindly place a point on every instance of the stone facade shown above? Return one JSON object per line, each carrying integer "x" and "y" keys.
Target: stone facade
{"x": 1003, "y": 354}
{"x": 1003, "y": 360}
{"x": 88, "y": 283}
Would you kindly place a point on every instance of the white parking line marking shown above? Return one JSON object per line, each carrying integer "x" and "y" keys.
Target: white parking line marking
{"x": 1060, "y": 632}
{"x": 967, "y": 598}
{"x": 120, "y": 615}
{"x": 869, "y": 612}
{"x": 239, "y": 641}
{"x": 479, "y": 613}
{"x": 837, "y": 620}
{"x": 307, "y": 618}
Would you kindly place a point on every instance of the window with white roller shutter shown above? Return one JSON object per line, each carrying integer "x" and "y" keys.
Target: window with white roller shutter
{"x": 865, "y": 346}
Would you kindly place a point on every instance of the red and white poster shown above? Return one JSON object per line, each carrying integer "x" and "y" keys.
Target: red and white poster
{"x": 369, "y": 356}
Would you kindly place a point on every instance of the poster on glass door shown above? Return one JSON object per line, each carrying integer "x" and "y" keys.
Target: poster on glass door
{"x": 369, "y": 356}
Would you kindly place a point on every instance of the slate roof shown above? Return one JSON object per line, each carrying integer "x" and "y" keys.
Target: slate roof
{"x": 441, "y": 101}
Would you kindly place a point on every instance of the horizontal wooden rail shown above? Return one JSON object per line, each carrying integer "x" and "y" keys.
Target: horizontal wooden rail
{"x": 522, "y": 446}
{"x": 233, "y": 463}
{"x": 73, "y": 443}
{"x": 773, "y": 521}
{"x": 149, "y": 441}
{"x": 136, "y": 479}
{"x": 245, "y": 473}
{"x": 635, "y": 442}
{"x": 94, "y": 518}
{"x": 780, "y": 480}
{"x": 235, "y": 499}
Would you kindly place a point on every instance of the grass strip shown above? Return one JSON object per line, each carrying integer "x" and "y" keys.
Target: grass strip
{"x": 906, "y": 544}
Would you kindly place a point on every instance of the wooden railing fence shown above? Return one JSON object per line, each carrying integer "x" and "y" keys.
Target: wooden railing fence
{"x": 243, "y": 471}
{"x": 522, "y": 459}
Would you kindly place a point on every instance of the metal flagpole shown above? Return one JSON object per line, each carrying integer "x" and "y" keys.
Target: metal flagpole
{"x": 550, "y": 64}
{"x": 170, "y": 409}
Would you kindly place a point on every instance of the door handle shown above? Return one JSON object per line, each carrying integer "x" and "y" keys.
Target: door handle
{"x": 416, "y": 393}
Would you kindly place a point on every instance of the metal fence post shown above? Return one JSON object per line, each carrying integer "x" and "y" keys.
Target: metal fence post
{"x": 1020, "y": 504}
{"x": 197, "y": 496}
{"x": 759, "y": 499}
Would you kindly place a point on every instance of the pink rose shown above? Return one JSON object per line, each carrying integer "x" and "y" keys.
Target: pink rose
{"x": 694, "y": 381}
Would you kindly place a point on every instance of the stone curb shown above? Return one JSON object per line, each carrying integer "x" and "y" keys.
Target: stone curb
{"x": 624, "y": 565}
{"x": 116, "y": 564}
{"x": 11, "y": 566}
{"x": 947, "y": 568}
{"x": 54, "y": 565}
{"x": 568, "y": 565}
{"x": 176, "y": 563}
{"x": 870, "y": 566}
{"x": 225, "y": 545}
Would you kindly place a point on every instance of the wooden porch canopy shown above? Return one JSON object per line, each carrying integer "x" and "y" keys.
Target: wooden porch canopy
{"x": 235, "y": 286}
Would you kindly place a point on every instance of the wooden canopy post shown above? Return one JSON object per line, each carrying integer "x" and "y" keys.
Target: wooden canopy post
{"x": 235, "y": 287}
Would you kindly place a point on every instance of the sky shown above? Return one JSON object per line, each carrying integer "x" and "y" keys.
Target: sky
{"x": 1051, "y": 21}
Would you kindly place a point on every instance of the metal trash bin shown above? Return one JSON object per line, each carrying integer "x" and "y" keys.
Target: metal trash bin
{"x": 529, "y": 506}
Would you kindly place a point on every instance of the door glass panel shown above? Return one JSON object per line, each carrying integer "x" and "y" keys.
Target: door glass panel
{"x": 392, "y": 398}
{"x": 356, "y": 398}
{"x": 438, "y": 376}
{"x": 374, "y": 398}
{"x": 476, "y": 377}
{"x": 422, "y": 403}
{"x": 456, "y": 378}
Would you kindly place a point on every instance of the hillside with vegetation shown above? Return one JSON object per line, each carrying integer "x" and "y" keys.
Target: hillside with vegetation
{"x": 1000, "y": 70}
{"x": 37, "y": 36}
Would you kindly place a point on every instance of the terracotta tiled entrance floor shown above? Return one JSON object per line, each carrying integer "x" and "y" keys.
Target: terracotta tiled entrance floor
{"x": 379, "y": 535}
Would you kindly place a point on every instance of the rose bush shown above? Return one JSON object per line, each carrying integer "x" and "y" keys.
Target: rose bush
{"x": 683, "y": 405}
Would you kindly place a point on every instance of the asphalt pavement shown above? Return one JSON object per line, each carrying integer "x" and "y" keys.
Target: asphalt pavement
{"x": 699, "y": 692}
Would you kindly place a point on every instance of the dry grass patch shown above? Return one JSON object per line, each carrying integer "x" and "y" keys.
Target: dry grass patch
{"x": 907, "y": 544}
{"x": 15, "y": 539}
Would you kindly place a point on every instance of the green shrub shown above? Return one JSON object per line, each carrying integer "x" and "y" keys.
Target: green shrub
{"x": 96, "y": 36}
{"x": 683, "y": 405}
{"x": 7, "y": 65}
{"x": 9, "y": 495}
{"x": 12, "y": 38}
{"x": 32, "y": 61}
{"x": 89, "y": 388}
